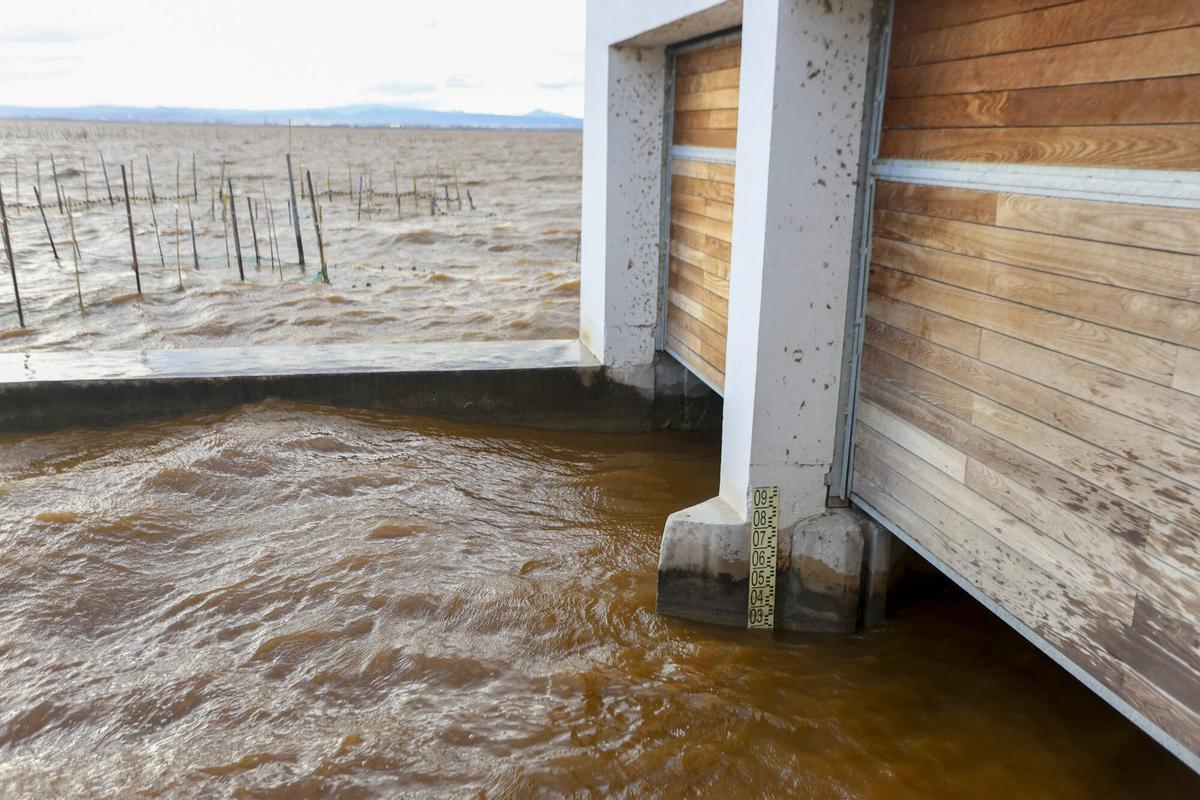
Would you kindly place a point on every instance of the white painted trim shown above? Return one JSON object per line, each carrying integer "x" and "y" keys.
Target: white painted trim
{"x": 1142, "y": 186}
{"x": 715, "y": 155}
{"x": 1136, "y": 717}
{"x": 684, "y": 361}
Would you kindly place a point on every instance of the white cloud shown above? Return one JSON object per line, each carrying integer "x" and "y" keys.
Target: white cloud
{"x": 477, "y": 55}
{"x": 43, "y": 34}
{"x": 402, "y": 89}
{"x": 461, "y": 80}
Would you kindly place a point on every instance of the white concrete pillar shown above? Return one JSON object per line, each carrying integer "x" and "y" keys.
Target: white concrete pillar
{"x": 804, "y": 65}
{"x": 625, "y": 90}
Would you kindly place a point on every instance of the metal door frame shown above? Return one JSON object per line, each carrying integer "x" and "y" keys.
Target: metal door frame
{"x": 841, "y": 473}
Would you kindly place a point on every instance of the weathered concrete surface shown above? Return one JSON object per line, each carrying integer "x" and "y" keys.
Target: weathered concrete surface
{"x": 832, "y": 572}
{"x": 704, "y": 564}
{"x": 819, "y": 583}
{"x": 553, "y": 384}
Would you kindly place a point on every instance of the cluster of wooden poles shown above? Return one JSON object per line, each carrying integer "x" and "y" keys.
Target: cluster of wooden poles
{"x": 229, "y": 217}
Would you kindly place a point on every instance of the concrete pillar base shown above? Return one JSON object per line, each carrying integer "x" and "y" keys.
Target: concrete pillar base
{"x": 833, "y": 569}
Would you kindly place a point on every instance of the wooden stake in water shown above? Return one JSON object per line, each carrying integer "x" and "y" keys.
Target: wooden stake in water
{"x": 87, "y": 197}
{"x": 75, "y": 254}
{"x": 37, "y": 167}
{"x": 37, "y": 193}
{"x": 12, "y": 266}
{"x": 57, "y": 188}
{"x": 271, "y": 240}
{"x": 154, "y": 216}
{"x": 195, "y": 252}
{"x": 470, "y": 200}
{"x": 178, "y": 259}
{"x": 132, "y": 242}
{"x": 396, "y": 188}
{"x": 237, "y": 238}
{"x": 195, "y": 183}
{"x": 150, "y": 177}
{"x": 225, "y": 232}
{"x": 360, "y": 184}
{"x": 275, "y": 236}
{"x": 295, "y": 208}
{"x": 317, "y": 225}
{"x": 107, "y": 185}
{"x": 253, "y": 231}
{"x": 457, "y": 193}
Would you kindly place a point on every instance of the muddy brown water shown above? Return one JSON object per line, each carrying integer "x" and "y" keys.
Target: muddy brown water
{"x": 506, "y": 270}
{"x": 291, "y": 601}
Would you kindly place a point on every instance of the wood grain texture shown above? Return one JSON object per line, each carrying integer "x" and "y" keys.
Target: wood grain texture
{"x": 1046, "y": 27}
{"x": 1125, "y": 352}
{"x": 720, "y": 56}
{"x": 1152, "y": 227}
{"x": 1030, "y": 388}
{"x": 693, "y": 204}
{"x": 1171, "y": 147}
{"x": 718, "y": 119}
{"x": 703, "y": 170}
{"x": 1140, "y": 102}
{"x": 1149, "y": 271}
{"x": 1161, "y": 406}
{"x": 1107, "y": 511}
{"x": 707, "y": 81}
{"x": 1086, "y": 578}
{"x": 937, "y": 201}
{"x": 1150, "y": 315}
{"x": 706, "y": 138}
{"x": 915, "y": 16}
{"x": 707, "y": 101}
{"x": 708, "y": 189}
{"x": 1151, "y": 55}
{"x": 707, "y": 244}
{"x": 1123, "y": 436}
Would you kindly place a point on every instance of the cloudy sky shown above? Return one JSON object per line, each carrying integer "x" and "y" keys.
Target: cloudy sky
{"x": 493, "y": 56}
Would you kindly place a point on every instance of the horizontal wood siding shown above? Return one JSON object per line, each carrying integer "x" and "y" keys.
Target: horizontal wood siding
{"x": 698, "y": 278}
{"x": 1082, "y": 83}
{"x": 1030, "y": 412}
{"x": 701, "y": 209}
{"x": 706, "y": 95}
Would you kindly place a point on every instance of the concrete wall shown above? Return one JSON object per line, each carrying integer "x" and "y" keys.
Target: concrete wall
{"x": 804, "y": 65}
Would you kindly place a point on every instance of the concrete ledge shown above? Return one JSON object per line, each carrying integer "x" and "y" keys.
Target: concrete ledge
{"x": 704, "y": 563}
{"x": 832, "y": 573}
{"x": 553, "y": 384}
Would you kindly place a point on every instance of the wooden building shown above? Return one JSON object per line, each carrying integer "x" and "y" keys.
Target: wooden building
{"x": 942, "y": 260}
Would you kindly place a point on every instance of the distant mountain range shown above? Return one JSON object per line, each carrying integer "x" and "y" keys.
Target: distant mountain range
{"x": 363, "y": 115}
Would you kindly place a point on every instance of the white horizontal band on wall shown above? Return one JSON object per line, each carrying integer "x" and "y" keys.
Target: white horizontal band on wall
{"x": 715, "y": 155}
{"x": 1143, "y": 186}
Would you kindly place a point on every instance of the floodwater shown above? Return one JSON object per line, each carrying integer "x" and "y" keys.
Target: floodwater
{"x": 505, "y": 270}
{"x": 289, "y": 601}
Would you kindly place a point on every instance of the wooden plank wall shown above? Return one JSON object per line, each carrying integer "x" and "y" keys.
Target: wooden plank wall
{"x": 706, "y": 95}
{"x": 701, "y": 214}
{"x": 1085, "y": 83}
{"x": 1030, "y": 394}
